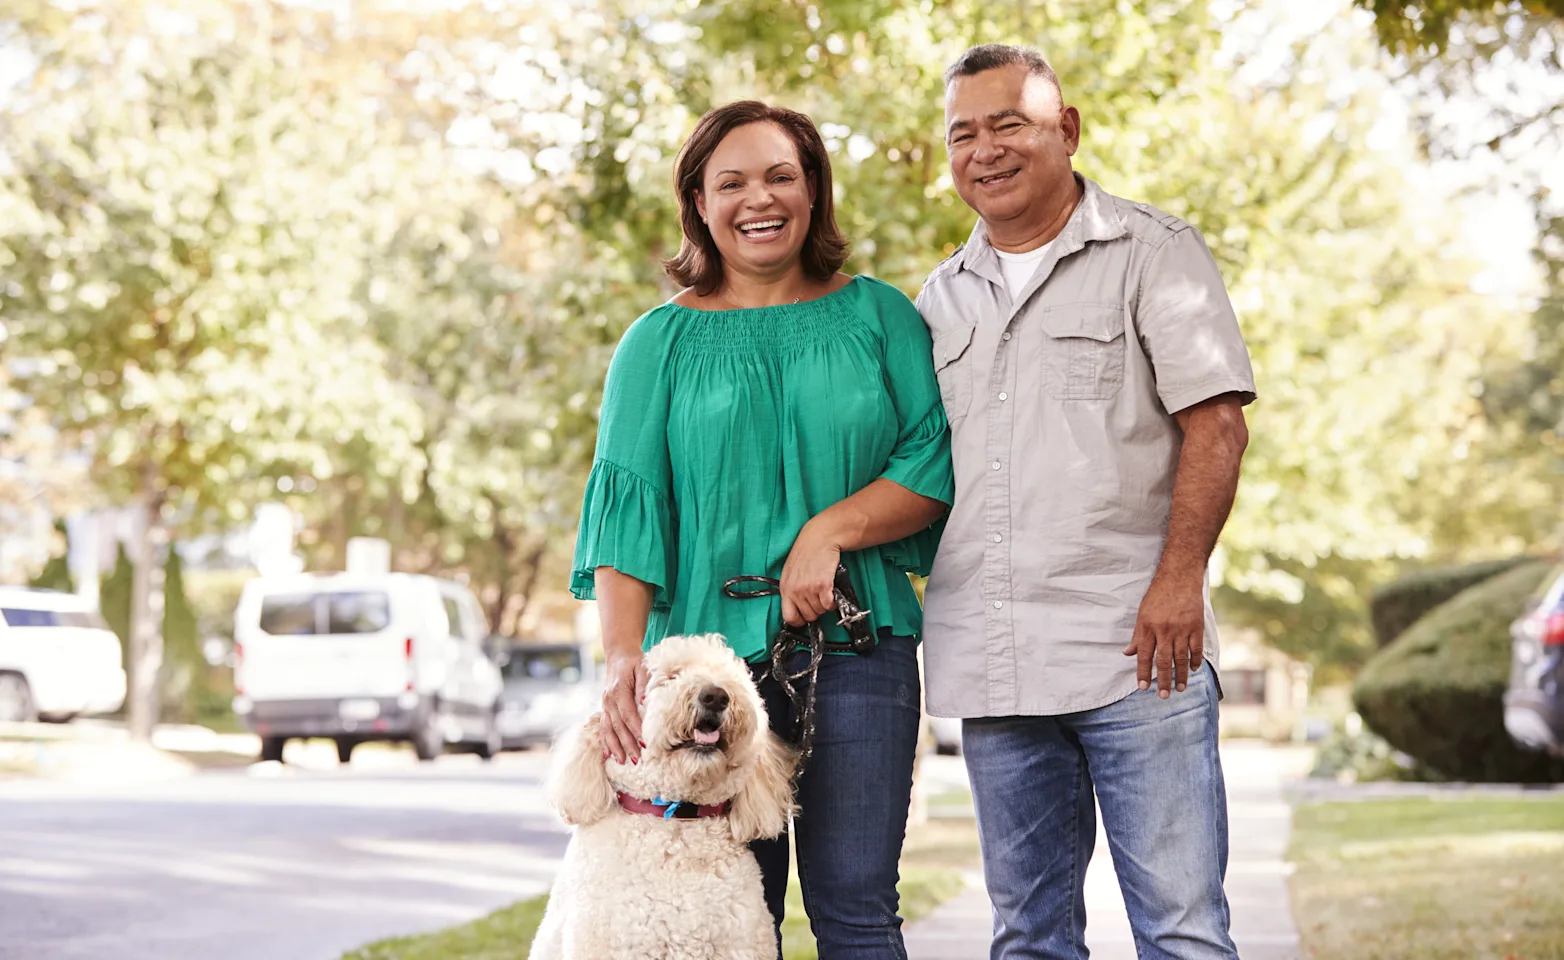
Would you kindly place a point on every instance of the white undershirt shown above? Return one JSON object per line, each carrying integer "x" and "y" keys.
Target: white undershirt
{"x": 1017, "y": 268}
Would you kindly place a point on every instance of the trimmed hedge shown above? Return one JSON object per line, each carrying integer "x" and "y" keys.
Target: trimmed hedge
{"x": 1397, "y": 605}
{"x": 1437, "y": 692}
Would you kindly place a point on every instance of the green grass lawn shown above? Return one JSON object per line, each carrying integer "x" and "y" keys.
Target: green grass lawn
{"x": 1430, "y": 879}
{"x": 934, "y": 854}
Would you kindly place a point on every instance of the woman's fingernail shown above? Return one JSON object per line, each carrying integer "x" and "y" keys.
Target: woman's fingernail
{"x": 642, "y": 743}
{"x": 635, "y": 759}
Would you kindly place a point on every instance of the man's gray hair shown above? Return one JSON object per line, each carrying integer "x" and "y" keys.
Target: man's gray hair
{"x": 992, "y": 56}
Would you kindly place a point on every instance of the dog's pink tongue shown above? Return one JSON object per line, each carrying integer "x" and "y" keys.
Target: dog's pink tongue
{"x": 703, "y": 736}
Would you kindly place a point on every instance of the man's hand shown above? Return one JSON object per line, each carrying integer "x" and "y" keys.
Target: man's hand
{"x": 1170, "y": 630}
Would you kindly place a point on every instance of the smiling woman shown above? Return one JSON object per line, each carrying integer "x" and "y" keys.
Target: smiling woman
{"x": 776, "y": 418}
{"x": 755, "y": 202}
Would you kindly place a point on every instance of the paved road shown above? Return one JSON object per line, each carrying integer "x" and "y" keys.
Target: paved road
{"x": 268, "y": 863}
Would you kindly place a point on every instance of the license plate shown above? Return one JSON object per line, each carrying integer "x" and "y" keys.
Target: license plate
{"x": 359, "y": 709}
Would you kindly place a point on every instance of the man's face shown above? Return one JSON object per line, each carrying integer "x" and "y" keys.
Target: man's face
{"x": 1010, "y": 141}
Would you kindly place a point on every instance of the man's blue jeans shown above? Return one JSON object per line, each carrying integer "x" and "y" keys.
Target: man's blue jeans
{"x": 1154, "y": 768}
{"x": 853, "y": 798}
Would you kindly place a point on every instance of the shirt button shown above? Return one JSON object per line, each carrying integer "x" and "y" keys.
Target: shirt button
{"x": 998, "y": 538}
{"x": 999, "y": 604}
{"x": 1004, "y": 396}
{"x": 1007, "y": 336}
{"x": 996, "y": 464}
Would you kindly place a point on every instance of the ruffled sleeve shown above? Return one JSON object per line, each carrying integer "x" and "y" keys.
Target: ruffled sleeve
{"x": 628, "y": 518}
{"x": 920, "y": 460}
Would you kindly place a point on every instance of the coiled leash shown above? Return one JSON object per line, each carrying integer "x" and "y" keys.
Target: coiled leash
{"x": 811, "y": 638}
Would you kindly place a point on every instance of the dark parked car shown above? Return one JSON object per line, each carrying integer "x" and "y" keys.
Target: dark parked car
{"x": 548, "y": 687}
{"x": 1534, "y": 702}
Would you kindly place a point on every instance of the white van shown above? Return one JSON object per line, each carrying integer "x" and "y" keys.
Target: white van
{"x": 58, "y": 659}
{"x": 358, "y": 657}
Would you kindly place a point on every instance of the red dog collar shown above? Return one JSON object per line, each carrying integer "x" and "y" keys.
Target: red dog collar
{"x": 675, "y": 810}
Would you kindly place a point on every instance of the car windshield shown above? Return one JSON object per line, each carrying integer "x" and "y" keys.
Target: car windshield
{"x": 1552, "y": 600}
{"x": 325, "y": 614}
{"x": 560, "y": 665}
{"x": 27, "y": 617}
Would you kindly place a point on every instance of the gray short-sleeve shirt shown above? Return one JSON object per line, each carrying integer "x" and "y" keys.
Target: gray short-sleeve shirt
{"x": 1061, "y": 406}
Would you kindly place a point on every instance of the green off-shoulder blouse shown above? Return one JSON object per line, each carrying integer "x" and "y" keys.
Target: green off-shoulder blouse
{"x": 723, "y": 432}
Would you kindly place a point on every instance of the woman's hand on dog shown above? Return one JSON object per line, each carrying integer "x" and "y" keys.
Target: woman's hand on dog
{"x": 623, "y": 690}
{"x": 809, "y": 575}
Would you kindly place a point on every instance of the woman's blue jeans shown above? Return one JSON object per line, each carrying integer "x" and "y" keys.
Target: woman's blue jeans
{"x": 853, "y": 798}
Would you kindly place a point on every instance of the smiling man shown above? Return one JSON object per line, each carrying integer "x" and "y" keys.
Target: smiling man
{"x": 1094, "y": 377}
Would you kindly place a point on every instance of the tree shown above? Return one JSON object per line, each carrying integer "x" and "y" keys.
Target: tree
{"x": 181, "y": 644}
{"x": 114, "y": 599}
{"x": 1409, "y": 25}
{"x": 180, "y": 222}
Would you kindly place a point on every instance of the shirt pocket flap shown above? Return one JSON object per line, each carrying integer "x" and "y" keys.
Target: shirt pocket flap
{"x": 1095, "y": 321}
{"x": 950, "y": 345}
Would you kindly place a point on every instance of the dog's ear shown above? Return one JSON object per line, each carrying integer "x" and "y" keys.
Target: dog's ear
{"x": 763, "y": 806}
{"x": 578, "y": 780}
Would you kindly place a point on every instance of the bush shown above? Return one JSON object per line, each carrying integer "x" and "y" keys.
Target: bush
{"x": 1362, "y": 757}
{"x": 1437, "y": 692}
{"x": 1397, "y": 605}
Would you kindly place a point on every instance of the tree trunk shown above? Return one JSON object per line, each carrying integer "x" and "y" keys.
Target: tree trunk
{"x": 533, "y": 568}
{"x": 146, "y": 611}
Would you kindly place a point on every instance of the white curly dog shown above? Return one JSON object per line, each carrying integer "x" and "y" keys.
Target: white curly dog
{"x": 659, "y": 867}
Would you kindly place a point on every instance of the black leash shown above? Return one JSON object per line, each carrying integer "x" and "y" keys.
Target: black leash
{"x": 811, "y": 638}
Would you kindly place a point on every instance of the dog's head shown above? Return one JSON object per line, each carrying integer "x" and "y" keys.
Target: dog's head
{"x": 707, "y": 742}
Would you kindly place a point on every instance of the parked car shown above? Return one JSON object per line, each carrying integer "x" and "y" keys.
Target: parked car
{"x": 58, "y": 659}
{"x": 365, "y": 657}
{"x": 548, "y": 687}
{"x": 1534, "y": 702}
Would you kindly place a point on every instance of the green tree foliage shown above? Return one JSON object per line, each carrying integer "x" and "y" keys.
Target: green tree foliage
{"x": 1405, "y": 25}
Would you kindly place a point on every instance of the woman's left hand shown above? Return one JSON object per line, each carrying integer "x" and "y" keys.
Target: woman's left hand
{"x": 809, "y": 575}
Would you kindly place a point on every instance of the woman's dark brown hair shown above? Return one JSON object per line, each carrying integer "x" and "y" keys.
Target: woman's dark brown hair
{"x": 699, "y": 264}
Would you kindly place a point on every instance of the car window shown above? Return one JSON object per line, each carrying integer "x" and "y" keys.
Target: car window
{"x": 561, "y": 665}
{"x": 366, "y": 612}
{"x": 288, "y": 614}
{"x": 82, "y": 618}
{"x": 335, "y": 613}
{"x": 1553, "y": 599}
{"x": 23, "y": 617}
{"x": 453, "y": 616}
{"x": 479, "y": 622}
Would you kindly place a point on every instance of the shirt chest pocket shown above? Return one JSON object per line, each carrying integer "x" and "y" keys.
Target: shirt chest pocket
{"x": 953, "y": 368}
{"x": 1083, "y": 350}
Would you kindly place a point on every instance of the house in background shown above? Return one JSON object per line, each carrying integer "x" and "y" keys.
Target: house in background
{"x": 1265, "y": 692}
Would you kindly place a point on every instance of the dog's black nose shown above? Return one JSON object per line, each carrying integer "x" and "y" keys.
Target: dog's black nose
{"x": 714, "y": 699}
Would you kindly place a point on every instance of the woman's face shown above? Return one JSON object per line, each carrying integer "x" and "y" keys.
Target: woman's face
{"x": 756, "y": 199}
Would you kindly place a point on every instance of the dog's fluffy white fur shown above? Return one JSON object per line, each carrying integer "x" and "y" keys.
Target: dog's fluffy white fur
{"x": 638, "y": 887}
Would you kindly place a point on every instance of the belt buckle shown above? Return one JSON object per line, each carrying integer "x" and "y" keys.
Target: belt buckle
{"x": 851, "y": 615}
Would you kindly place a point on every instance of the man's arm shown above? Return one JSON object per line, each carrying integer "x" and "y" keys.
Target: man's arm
{"x": 1170, "y": 629}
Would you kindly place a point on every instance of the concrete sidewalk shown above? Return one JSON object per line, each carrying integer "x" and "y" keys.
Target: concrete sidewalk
{"x": 1260, "y": 821}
